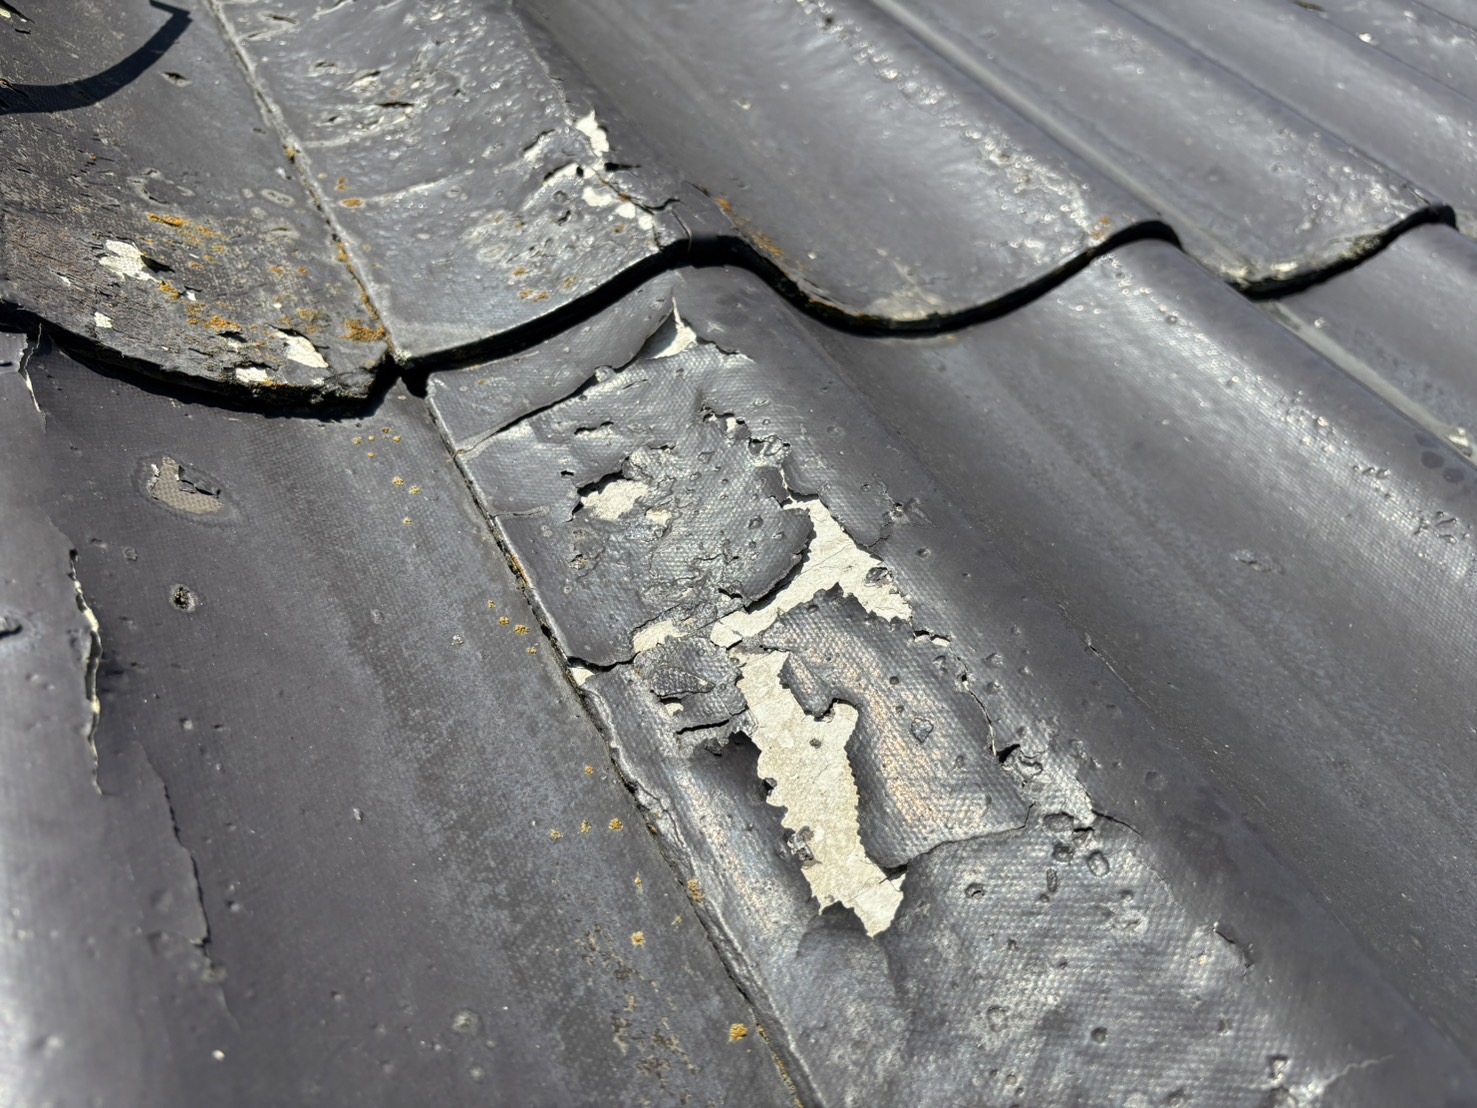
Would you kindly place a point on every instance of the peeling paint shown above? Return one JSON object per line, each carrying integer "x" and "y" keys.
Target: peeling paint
{"x": 833, "y": 559}
{"x": 614, "y": 499}
{"x": 806, "y": 759}
{"x": 301, "y": 351}
{"x": 588, "y": 126}
{"x": 126, "y": 260}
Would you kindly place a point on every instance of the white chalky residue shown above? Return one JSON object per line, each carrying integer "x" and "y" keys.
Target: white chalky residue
{"x": 588, "y": 126}
{"x": 832, "y": 559}
{"x": 126, "y": 260}
{"x": 615, "y": 499}
{"x": 806, "y": 758}
{"x": 301, "y": 351}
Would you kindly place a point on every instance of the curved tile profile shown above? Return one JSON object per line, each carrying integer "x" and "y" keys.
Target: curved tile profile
{"x": 473, "y": 194}
{"x": 331, "y": 684}
{"x": 1440, "y": 46}
{"x": 1402, "y": 324}
{"x": 1252, "y": 189}
{"x": 153, "y": 212}
{"x": 1126, "y": 880}
{"x": 1390, "y": 112}
{"x": 878, "y": 179}
{"x": 1277, "y": 563}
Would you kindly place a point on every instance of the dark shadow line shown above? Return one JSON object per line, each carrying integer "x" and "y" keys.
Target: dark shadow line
{"x": 90, "y": 90}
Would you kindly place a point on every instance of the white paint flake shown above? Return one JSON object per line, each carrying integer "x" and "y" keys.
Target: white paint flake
{"x": 252, "y": 375}
{"x": 102, "y": 322}
{"x": 806, "y": 758}
{"x": 301, "y": 351}
{"x": 126, "y": 260}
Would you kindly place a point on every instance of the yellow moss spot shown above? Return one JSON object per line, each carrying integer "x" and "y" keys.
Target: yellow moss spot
{"x": 415, "y": 490}
{"x": 738, "y": 1032}
{"x": 638, "y": 938}
{"x": 358, "y": 442}
{"x": 504, "y": 620}
{"x": 616, "y": 824}
{"x": 585, "y": 827}
{"x": 397, "y": 480}
{"x": 342, "y": 185}
{"x": 695, "y": 891}
{"x": 520, "y": 630}
{"x": 556, "y": 835}
{"x": 395, "y": 439}
{"x": 492, "y": 604}
{"x": 533, "y": 650}
{"x": 589, "y": 771}
{"x": 352, "y": 202}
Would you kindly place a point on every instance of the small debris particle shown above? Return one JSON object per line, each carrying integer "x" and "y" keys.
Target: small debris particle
{"x": 585, "y": 827}
{"x": 395, "y": 439}
{"x": 371, "y": 454}
{"x": 504, "y": 620}
{"x": 492, "y": 604}
{"x": 638, "y": 938}
{"x": 616, "y": 824}
{"x": 738, "y": 1032}
{"x": 520, "y": 630}
{"x": 358, "y": 442}
{"x": 589, "y": 771}
{"x": 639, "y": 884}
{"x": 406, "y": 521}
{"x": 695, "y": 891}
{"x": 533, "y": 650}
{"x": 398, "y": 481}
{"x": 556, "y": 835}
{"x": 415, "y": 490}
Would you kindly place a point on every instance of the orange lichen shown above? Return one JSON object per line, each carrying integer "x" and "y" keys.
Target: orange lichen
{"x": 724, "y": 204}
{"x": 638, "y": 938}
{"x": 520, "y": 629}
{"x": 695, "y": 891}
{"x": 356, "y": 330}
{"x": 616, "y": 824}
{"x": 169, "y": 220}
{"x": 765, "y": 243}
{"x": 738, "y": 1032}
{"x": 556, "y": 835}
{"x": 352, "y": 202}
